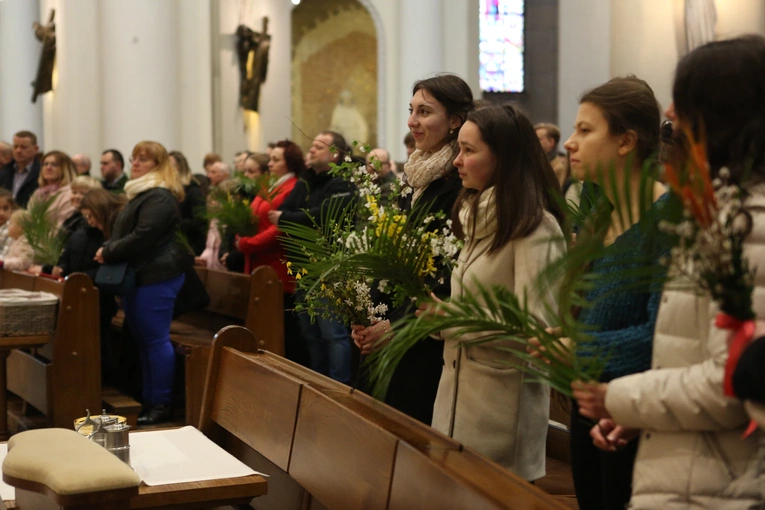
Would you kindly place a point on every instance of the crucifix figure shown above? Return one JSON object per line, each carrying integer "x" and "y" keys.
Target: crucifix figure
{"x": 47, "y": 35}
{"x": 252, "y": 50}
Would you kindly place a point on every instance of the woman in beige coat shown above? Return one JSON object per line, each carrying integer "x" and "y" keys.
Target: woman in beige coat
{"x": 506, "y": 213}
{"x": 691, "y": 453}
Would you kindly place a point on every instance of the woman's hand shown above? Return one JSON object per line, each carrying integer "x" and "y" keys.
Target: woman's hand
{"x": 370, "y": 338}
{"x": 591, "y": 398}
{"x": 199, "y": 261}
{"x": 99, "y": 256}
{"x": 430, "y": 307}
{"x": 57, "y": 272}
{"x": 223, "y": 258}
{"x": 35, "y": 269}
{"x": 535, "y": 348}
{"x": 273, "y": 217}
{"x": 609, "y": 436}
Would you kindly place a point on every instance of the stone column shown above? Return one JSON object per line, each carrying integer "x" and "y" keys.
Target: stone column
{"x": 421, "y": 47}
{"x": 19, "y": 55}
{"x": 140, "y": 69}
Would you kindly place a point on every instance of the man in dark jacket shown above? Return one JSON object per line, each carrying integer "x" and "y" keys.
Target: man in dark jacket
{"x": 329, "y": 343}
{"x": 20, "y": 175}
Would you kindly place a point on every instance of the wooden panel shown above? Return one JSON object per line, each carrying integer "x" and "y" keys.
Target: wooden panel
{"x": 341, "y": 458}
{"x": 479, "y": 475}
{"x": 74, "y": 382}
{"x": 263, "y": 418}
{"x": 284, "y": 493}
{"x": 26, "y": 378}
{"x": 14, "y": 280}
{"x": 229, "y": 293}
{"x": 265, "y": 313}
{"x": 196, "y": 370}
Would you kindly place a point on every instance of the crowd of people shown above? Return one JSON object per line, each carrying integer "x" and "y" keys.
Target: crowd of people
{"x": 656, "y": 431}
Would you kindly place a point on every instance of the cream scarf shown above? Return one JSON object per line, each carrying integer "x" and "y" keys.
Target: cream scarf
{"x": 135, "y": 187}
{"x": 281, "y": 180}
{"x": 425, "y": 167}
{"x": 486, "y": 216}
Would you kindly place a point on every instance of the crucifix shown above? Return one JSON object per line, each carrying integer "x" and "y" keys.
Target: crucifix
{"x": 252, "y": 50}
{"x": 47, "y": 35}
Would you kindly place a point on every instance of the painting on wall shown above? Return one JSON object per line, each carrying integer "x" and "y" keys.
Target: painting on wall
{"x": 334, "y": 71}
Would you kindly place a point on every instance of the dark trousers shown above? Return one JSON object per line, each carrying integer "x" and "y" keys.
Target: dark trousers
{"x": 295, "y": 346}
{"x": 149, "y": 312}
{"x": 602, "y": 480}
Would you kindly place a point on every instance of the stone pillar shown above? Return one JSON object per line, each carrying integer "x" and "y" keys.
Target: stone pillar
{"x": 420, "y": 55}
{"x": 584, "y": 54}
{"x": 19, "y": 56}
{"x": 140, "y": 68}
{"x": 71, "y": 113}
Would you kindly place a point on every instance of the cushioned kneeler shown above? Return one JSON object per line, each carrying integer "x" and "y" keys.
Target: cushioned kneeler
{"x": 68, "y": 469}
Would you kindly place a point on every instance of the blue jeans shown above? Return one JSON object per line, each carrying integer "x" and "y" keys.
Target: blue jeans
{"x": 149, "y": 312}
{"x": 329, "y": 347}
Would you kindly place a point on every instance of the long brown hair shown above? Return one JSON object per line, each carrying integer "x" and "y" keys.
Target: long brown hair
{"x": 629, "y": 104}
{"x": 525, "y": 184}
{"x": 68, "y": 170}
{"x": 104, "y": 206}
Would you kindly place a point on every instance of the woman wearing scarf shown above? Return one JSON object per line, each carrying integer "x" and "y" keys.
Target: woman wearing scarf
{"x": 437, "y": 111}
{"x": 56, "y": 173}
{"x": 285, "y": 165}
{"x": 144, "y": 236}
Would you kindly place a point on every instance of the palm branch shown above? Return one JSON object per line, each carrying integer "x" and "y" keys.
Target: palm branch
{"x": 503, "y": 321}
{"x": 40, "y": 231}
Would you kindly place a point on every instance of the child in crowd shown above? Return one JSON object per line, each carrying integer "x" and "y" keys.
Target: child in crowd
{"x": 19, "y": 256}
{"x": 7, "y": 206}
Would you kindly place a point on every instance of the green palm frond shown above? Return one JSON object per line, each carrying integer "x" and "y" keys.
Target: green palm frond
{"x": 41, "y": 233}
{"x": 498, "y": 319}
{"x": 232, "y": 213}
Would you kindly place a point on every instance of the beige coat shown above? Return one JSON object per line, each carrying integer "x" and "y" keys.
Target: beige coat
{"x": 482, "y": 402}
{"x": 691, "y": 452}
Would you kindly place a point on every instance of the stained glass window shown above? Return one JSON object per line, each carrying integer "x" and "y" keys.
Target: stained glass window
{"x": 501, "y": 45}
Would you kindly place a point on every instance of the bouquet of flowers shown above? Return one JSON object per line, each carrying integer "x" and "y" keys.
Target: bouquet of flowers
{"x": 365, "y": 246}
{"x": 710, "y": 249}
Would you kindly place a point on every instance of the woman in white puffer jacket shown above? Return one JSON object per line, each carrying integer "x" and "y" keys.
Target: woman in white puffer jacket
{"x": 692, "y": 453}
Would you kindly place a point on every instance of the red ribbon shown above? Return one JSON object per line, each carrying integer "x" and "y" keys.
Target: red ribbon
{"x": 743, "y": 334}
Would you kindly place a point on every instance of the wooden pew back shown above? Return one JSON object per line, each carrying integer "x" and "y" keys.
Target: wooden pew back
{"x": 327, "y": 447}
{"x": 63, "y": 377}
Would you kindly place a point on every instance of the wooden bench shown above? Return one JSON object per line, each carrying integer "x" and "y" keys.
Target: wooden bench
{"x": 254, "y": 301}
{"x": 327, "y": 447}
{"x": 60, "y": 373}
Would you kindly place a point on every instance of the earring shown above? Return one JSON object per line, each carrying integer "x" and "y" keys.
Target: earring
{"x": 451, "y": 131}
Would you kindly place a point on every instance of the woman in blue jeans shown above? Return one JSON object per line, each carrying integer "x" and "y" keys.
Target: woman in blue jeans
{"x": 144, "y": 236}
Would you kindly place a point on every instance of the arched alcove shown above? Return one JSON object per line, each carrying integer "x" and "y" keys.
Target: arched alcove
{"x": 334, "y": 70}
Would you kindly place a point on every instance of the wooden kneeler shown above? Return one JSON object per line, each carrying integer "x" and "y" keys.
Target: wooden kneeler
{"x": 61, "y": 469}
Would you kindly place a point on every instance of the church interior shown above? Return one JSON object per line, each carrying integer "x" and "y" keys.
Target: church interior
{"x": 247, "y": 422}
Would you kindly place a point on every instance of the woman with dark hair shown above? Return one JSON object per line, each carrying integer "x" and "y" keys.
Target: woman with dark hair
{"x": 286, "y": 165}
{"x": 508, "y": 216}
{"x": 193, "y": 224}
{"x": 616, "y": 127}
{"x": 691, "y": 452}
{"x": 437, "y": 110}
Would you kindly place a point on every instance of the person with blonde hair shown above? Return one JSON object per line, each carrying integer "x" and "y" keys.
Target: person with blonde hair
{"x": 144, "y": 237}
{"x": 56, "y": 175}
{"x": 20, "y": 254}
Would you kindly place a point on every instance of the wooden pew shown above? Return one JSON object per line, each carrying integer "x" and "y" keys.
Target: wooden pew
{"x": 327, "y": 447}
{"x": 61, "y": 376}
{"x": 254, "y": 301}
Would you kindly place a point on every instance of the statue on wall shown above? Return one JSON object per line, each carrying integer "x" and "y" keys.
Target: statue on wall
{"x": 252, "y": 50}
{"x": 47, "y": 35}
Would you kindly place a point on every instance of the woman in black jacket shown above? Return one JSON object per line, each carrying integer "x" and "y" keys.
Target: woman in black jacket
{"x": 437, "y": 110}
{"x": 144, "y": 236}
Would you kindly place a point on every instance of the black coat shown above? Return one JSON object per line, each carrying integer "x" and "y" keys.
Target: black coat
{"x": 79, "y": 250}
{"x": 193, "y": 222}
{"x": 749, "y": 376}
{"x": 29, "y": 186}
{"x": 313, "y": 193}
{"x": 144, "y": 235}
